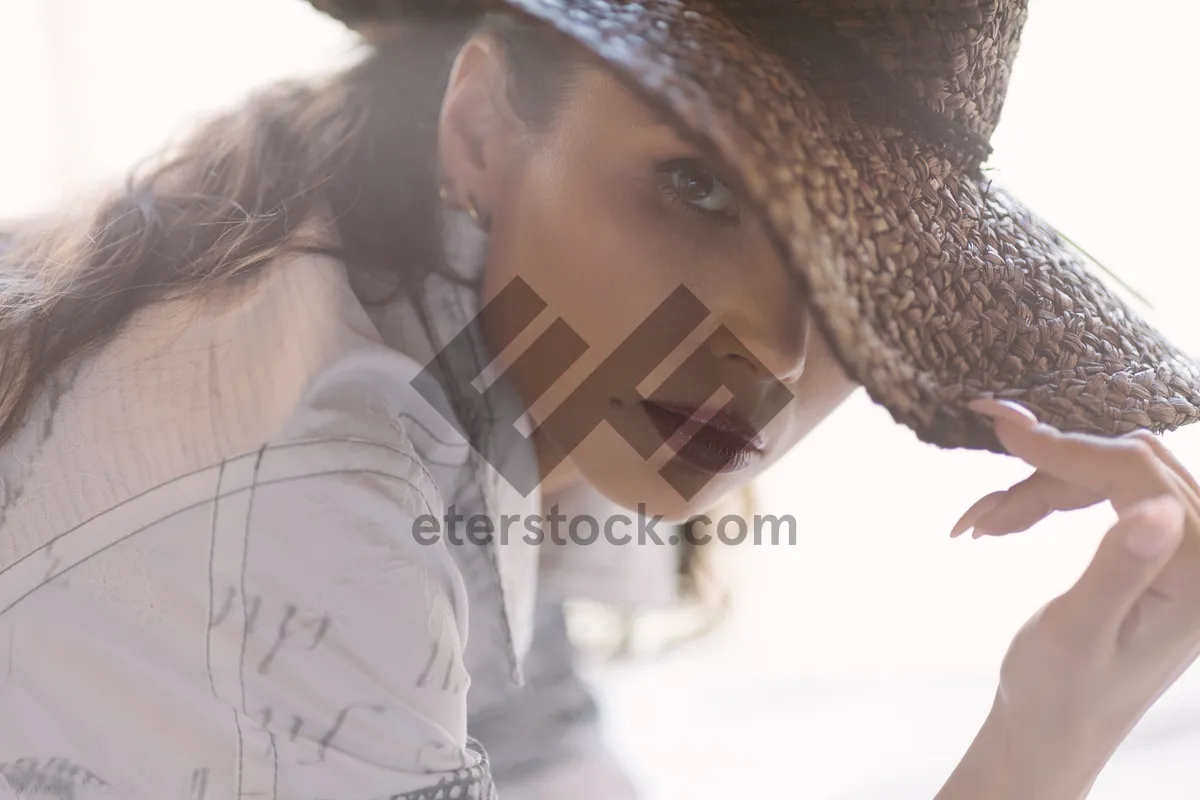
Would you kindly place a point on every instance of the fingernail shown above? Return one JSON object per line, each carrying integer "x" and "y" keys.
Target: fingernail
{"x": 1158, "y": 529}
{"x": 1006, "y": 410}
{"x": 979, "y": 510}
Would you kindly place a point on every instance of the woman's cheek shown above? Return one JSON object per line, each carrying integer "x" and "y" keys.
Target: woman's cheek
{"x": 619, "y": 275}
{"x": 822, "y": 388}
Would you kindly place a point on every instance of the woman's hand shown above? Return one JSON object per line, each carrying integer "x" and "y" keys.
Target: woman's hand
{"x": 1082, "y": 672}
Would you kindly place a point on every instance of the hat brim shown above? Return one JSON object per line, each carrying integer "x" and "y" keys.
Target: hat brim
{"x": 933, "y": 286}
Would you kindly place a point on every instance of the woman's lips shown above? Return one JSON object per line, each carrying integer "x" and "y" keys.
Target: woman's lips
{"x": 706, "y": 438}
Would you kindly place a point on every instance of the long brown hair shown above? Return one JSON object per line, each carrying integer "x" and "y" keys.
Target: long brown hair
{"x": 358, "y": 146}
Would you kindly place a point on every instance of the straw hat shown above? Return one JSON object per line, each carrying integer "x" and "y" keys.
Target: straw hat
{"x": 858, "y": 128}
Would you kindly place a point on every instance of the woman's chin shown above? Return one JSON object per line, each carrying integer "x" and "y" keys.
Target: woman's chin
{"x": 642, "y": 490}
{"x": 610, "y": 466}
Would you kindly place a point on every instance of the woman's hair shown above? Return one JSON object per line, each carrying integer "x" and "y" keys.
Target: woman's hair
{"x": 231, "y": 197}
{"x": 359, "y": 147}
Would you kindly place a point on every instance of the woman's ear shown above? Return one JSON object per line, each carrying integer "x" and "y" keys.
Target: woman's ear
{"x": 477, "y": 129}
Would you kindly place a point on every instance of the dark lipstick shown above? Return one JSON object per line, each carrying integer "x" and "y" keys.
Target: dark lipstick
{"x": 706, "y": 438}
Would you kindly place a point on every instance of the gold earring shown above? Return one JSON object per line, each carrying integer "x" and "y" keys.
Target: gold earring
{"x": 473, "y": 212}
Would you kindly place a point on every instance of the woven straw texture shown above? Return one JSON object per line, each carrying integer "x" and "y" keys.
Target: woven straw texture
{"x": 859, "y": 128}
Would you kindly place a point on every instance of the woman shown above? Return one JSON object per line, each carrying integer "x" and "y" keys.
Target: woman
{"x": 269, "y": 509}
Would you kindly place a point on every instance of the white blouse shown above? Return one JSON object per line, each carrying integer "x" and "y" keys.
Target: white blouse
{"x": 209, "y": 582}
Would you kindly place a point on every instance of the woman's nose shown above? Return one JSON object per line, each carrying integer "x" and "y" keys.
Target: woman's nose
{"x": 767, "y": 337}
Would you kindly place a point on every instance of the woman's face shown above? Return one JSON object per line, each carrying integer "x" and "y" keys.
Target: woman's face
{"x": 607, "y": 214}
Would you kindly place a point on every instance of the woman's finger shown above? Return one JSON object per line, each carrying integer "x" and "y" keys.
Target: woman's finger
{"x": 1168, "y": 458}
{"x": 1030, "y": 501}
{"x": 1022, "y": 505}
{"x": 1130, "y": 558}
{"x": 1126, "y": 470}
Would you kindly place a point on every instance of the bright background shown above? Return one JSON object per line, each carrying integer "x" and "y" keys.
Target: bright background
{"x": 859, "y": 662}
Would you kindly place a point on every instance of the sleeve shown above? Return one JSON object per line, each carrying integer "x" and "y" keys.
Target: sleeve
{"x": 339, "y": 623}
{"x": 339, "y": 640}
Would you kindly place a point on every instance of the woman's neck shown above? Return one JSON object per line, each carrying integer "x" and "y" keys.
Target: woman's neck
{"x": 564, "y": 475}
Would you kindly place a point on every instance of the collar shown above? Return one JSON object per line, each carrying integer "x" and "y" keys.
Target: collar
{"x": 501, "y": 576}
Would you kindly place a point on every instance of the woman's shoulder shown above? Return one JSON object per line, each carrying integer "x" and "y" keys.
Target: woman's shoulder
{"x": 230, "y": 484}
{"x": 219, "y": 509}
{"x": 286, "y": 359}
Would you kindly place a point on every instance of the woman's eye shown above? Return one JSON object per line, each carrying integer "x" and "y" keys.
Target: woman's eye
{"x": 695, "y": 185}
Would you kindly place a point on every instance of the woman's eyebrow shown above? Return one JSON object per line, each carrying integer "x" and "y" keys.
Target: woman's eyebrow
{"x": 645, "y": 115}
{"x": 650, "y": 120}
